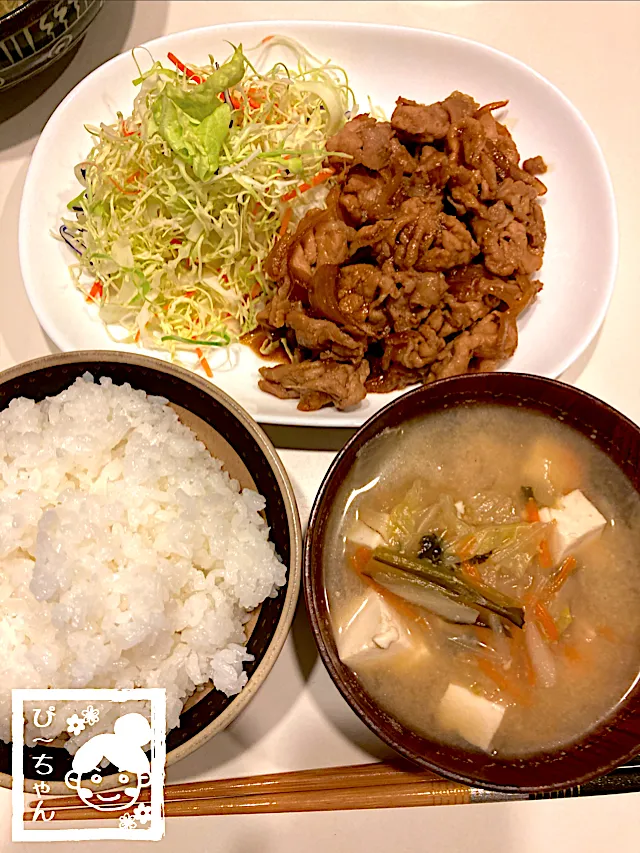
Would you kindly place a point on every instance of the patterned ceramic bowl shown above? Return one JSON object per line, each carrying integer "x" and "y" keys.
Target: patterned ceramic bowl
{"x": 37, "y": 32}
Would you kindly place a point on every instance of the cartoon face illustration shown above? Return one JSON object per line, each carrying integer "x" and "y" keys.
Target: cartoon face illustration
{"x": 86, "y": 783}
{"x": 123, "y": 749}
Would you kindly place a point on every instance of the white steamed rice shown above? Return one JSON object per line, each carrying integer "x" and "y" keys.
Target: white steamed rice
{"x": 128, "y": 557}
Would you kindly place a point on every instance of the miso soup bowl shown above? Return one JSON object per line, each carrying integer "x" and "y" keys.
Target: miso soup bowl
{"x": 248, "y": 456}
{"x": 604, "y": 747}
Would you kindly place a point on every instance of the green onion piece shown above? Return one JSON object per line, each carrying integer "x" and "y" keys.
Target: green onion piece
{"x": 195, "y": 342}
{"x": 476, "y": 595}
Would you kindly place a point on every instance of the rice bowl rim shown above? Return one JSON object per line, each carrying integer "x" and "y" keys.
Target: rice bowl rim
{"x": 294, "y": 569}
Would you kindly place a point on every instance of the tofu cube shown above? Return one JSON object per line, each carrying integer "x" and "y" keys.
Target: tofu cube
{"x": 577, "y": 522}
{"x": 372, "y": 629}
{"x": 551, "y": 469}
{"x": 378, "y": 521}
{"x": 474, "y": 718}
{"x": 361, "y": 534}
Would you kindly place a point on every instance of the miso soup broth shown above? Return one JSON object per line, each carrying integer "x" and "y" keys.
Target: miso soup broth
{"x": 484, "y": 579}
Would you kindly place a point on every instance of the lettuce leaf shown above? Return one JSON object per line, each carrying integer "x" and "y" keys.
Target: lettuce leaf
{"x": 200, "y": 101}
{"x": 406, "y": 517}
{"x": 195, "y": 122}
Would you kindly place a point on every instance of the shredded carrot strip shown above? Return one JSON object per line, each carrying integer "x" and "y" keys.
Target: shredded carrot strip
{"x": 555, "y": 583}
{"x": 471, "y": 571}
{"x": 531, "y": 511}
{"x": 256, "y": 290}
{"x": 256, "y": 97}
{"x": 122, "y": 189}
{"x": 236, "y": 102}
{"x": 544, "y": 555}
{"x": 286, "y": 219}
{"x": 206, "y": 367}
{"x": 132, "y": 178}
{"x": 499, "y": 678}
{"x": 360, "y": 559}
{"x": 324, "y": 175}
{"x": 95, "y": 292}
{"x": 137, "y": 338}
{"x": 204, "y": 363}
{"x": 545, "y": 620}
{"x": 182, "y": 67}
{"x": 466, "y": 547}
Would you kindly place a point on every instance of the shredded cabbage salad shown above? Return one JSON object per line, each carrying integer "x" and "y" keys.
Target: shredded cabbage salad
{"x": 183, "y": 199}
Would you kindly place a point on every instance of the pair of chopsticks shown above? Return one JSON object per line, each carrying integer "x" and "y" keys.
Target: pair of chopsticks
{"x": 364, "y": 786}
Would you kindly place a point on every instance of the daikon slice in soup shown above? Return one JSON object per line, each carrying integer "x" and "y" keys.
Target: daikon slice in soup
{"x": 484, "y": 579}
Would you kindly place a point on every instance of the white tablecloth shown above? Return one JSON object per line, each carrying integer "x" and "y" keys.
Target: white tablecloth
{"x": 298, "y": 719}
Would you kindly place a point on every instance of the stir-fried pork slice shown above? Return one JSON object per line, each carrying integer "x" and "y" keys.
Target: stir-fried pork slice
{"x": 419, "y": 264}
{"x": 323, "y": 335}
{"x": 535, "y": 166}
{"x": 365, "y": 140}
{"x": 317, "y": 383}
{"x": 416, "y": 122}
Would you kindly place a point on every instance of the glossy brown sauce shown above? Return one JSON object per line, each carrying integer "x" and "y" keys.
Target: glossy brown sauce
{"x": 254, "y": 340}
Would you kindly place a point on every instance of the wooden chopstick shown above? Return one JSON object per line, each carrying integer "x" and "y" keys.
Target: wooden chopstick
{"x": 369, "y": 786}
{"x": 372, "y": 797}
{"x": 358, "y": 775}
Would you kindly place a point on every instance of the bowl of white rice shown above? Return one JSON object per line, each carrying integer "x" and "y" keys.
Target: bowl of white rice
{"x": 149, "y": 537}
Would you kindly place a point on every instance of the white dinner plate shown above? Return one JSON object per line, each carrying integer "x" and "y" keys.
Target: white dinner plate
{"x": 383, "y": 62}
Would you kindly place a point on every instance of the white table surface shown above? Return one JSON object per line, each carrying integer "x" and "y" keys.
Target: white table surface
{"x": 298, "y": 719}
